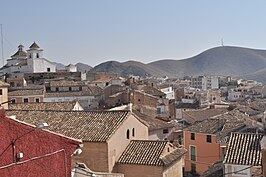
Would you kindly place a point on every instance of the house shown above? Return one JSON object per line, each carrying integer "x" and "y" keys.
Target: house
{"x": 151, "y": 158}
{"x": 158, "y": 129}
{"x": 61, "y": 91}
{"x": 16, "y": 81}
{"x": 169, "y": 92}
{"x": 27, "y": 94}
{"x": 49, "y": 106}
{"x": 204, "y": 82}
{"x": 26, "y": 150}
{"x": 30, "y": 61}
{"x": 105, "y": 134}
{"x": 206, "y": 141}
{"x": 243, "y": 154}
{"x": 4, "y": 94}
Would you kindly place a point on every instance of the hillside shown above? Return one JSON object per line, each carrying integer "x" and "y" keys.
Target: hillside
{"x": 81, "y": 67}
{"x": 235, "y": 61}
{"x": 129, "y": 68}
{"x": 219, "y": 60}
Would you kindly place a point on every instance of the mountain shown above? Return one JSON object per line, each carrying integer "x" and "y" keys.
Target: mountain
{"x": 59, "y": 66}
{"x": 226, "y": 60}
{"x": 219, "y": 61}
{"x": 81, "y": 67}
{"x": 259, "y": 75}
{"x": 129, "y": 68}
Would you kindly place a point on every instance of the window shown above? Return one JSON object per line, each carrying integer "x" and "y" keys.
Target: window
{"x": 37, "y": 55}
{"x": 37, "y": 100}
{"x": 48, "y": 69}
{"x": 1, "y": 92}
{"x": 165, "y": 131}
{"x": 13, "y": 100}
{"x": 193, "y": 153}
{"x": 192, "y": 136}
{"x": 133, "y": 132}
{"x": 80, "y": 88}
{"x": 70, "y": 88}
{"x": 25, "y": 100}
{"x": 209, "y": 139}
{"x": 128, "y": 134}
{"x": 193, "y": 168}
{"x": 56, "y": 89}
{"x": 30, "y": 55}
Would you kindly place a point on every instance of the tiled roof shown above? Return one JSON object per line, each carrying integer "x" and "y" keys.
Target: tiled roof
{"x": 20, "y": 53}
{"x": 95, "y": 126}
{"x": 146, "y": 152}
{"x": 202, "y": 114}
{"x": 26, "y": 92}
{"x": 59, "y": 106}
{"x": 89, "y": 92}
{"x": 65, "y": 83}
{"x": 34, "y": 46}
{"x": 152, "y": 122}
{"x": 208, "y": 126}
{"x": 244, "y": 149}
{"x": 222, "y": 125}
{"x": 152, "y": 91}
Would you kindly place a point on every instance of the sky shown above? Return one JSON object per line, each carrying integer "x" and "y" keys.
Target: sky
{"x": 94, "y": 31}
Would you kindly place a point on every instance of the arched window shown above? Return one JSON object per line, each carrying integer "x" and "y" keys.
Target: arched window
{"x": 128, "y": 133}
{"x": 133, "y": 132}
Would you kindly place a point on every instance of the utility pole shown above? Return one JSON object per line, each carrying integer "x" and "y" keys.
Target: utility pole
{"x": 2, "y": 44}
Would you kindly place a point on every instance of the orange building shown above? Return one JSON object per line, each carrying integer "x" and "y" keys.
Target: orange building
{"x": 203, "y": 148}
{"x": 206, "y": 141}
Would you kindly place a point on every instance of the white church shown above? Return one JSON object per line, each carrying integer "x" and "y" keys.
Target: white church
{"x": 30, "y": 61}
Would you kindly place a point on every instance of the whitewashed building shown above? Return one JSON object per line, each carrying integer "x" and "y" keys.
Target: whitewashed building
{"x": 30, "y": 61}
{"x": 169, "y": 92}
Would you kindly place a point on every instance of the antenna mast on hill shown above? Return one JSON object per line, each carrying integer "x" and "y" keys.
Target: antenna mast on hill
{"x": 2, "y": 44}
{"x": 222, "y": 42}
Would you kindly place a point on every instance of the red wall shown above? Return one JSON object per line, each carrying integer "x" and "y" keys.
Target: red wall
{"x": 52, "y": 152}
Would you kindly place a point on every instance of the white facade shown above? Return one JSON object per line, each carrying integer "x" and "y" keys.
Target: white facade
{"x": 170, "y": 94}
{"x": 30, "y": 61}
{"x": 205, "y": 82}
{"x": 71, "y": 68}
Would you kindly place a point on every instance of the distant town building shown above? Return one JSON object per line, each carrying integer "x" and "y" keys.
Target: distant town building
{"x": 204, "y": 82}
{"x": 30, "y": 61}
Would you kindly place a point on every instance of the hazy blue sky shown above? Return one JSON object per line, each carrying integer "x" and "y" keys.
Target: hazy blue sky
{"x": 93, "y": 31}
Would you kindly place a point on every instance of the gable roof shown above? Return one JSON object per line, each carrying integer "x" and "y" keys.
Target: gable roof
{"x": 34, "y": 46}
{"x": 244, "y": 149}
{"x": 96, "y": 126}
{"x": 146, "y": 152}
{"x": 59, "y": 106}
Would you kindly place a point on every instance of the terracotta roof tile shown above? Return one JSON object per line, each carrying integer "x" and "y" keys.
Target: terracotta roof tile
{"x": 146, "y": 152}
{"x": 244, "y": 149}
{"x": 95, "y": 126}
{"x": 60, "y": 106}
